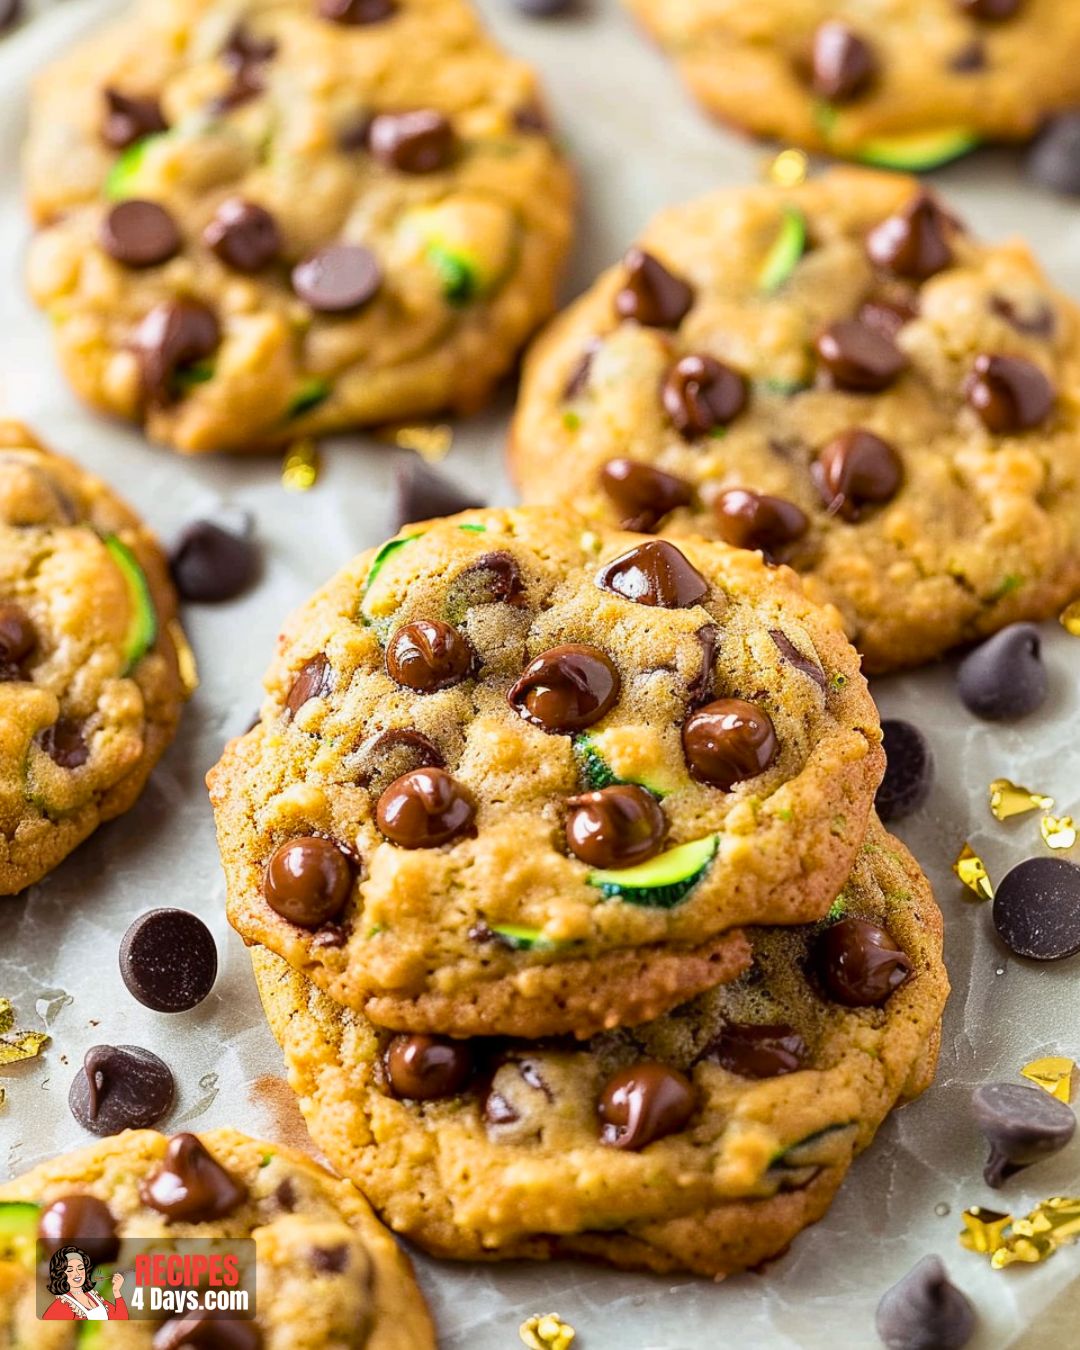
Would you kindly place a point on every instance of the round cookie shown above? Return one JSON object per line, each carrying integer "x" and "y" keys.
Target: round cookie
{"x": 90, "y": 689}
{"x": 704, "y": 1140}
{"x": 265, "y": 220}
{"x": 838, "y": 375}
{"x": 903, "y": 86}
{"x": 328, "y": 1272}
{"x": 517, "y": 776}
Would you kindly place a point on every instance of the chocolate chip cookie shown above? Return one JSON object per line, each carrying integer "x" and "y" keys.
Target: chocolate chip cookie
{"x": 837, "y": 376}
{"x": 282, "y": 217}
{"x": 516, "y": 775}
{"x": 901, "y": 86}
{"x": 704, "y": 1140}
{"x": 328, "y": 1272}
{"x": 90, "y": 690}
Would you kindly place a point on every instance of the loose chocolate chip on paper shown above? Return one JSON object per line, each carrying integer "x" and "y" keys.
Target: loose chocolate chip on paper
{"x": 169, "y": 960}
{"x": 925, "y": 1311}
{"x": 212, "y": 564}
{"x": 423, "y": 493}
{"x": 1054, "y": 159}
{"x": 909, "y": 770}
{"x": 1037, "y": 909}
{"x": 1004, "y": 678}
{"x": 120, "y": 1087}
{"x": 1021, "y": 1124}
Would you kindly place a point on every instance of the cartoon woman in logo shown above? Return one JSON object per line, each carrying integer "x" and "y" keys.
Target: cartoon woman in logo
{"x": 71, "y": 1279}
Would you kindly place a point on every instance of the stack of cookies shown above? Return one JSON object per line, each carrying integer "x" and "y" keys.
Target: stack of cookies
{"x": 556, "y": 847}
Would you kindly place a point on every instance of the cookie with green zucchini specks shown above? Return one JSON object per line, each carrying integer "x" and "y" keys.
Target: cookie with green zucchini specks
{"x": 274, "y": 218}
{"x": 90, "y": 687}
{"x": 902, "y": 86}
{"x": 704, "y": 1140}
{"x": 517, "y": 775}
{"x": 838, "y": 376}
{"x": 327, "y": 1272}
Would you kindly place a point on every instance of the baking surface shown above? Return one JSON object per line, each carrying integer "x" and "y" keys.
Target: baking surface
{"x": 639, "y": 144}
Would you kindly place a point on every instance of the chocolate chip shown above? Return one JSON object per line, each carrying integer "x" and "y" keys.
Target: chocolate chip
{"x": 168, "y": 960}
{"x": 642, "y": 495}
{"x": 700, "y": 688}
{"x": 428, "y": 655}
{"x": 913, "y": 242}
{"x": 1004, "y": 678}
{"x": 64, "y": 743}
{"x": 1022, "y": 1125}
{"x": 244, "y": 235}
{"x": 211, "y": 564}
{"x": 140, "y": 234}
{"x": 18, "y": 640}
{"x": 423, "y": 494}
{"x": 856, "y": 470}
{"x": 337, "y": 279}
{"x": 421, "y": 141}
{"x": 1039, "y": 320}
{"x": 728, "y": 741}
{"x": 1037, "y": 909}
{"x": 1009, "y": 393}
{"x": 129, "y": 118}
{"x": 654, "y": 573}
{"x": 356, "y": 12}
{"x": 925, "y": 1311}
{"x": 206, "y": 1331}
{"x": 758, "y": 1050}
{"x": 532, "y": 120}
{"x": 315, "y": 679}
{"x": 389, "y": 754}
{"x": 909, "y": 771}
{"x": 651, "y": 294}
{"x": 971, "y": 57}
{"x": 427, "y": 1068}
{"x": 174, "y": 334}
{"x": 578, "y": 379}
{"x": 245, "y": 48}
{"x": 566, "y": 689}
{"x": 859, "y": 358}
{"x": 82, "y": 1221}
{"x": 248, "y": 82}
{"x": 308, "y": 881}
{"x": 843, "y": 64}
{"x": 120, "y": 1087}
{"x": 700, "y": 394}
{"x": 425, "y": 808}
{"x": 1054, "y": 159}
{"x": 753, "y": 520}
{"x": 618, "y": 826}
{"x": 544, "y": 9}
{"x": 859, "y": 963}
{"x": 990, "y": 11}
{"x": 329, "y": 1260}
{"x": 644, "y": 1103}
{"x": 888, "y": 315}
{"x": 190, "y": 1186}
{"x": 791, "y": 654}
{"x": 493, "y": 579}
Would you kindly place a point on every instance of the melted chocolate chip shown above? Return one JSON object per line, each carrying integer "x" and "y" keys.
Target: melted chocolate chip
{"x": 190, "y": 1186}
{"x": 63, "y": 742}
{"x": 728, "y": 741}
{"x": 859, "y": 963}
{"x": 18, "y": 641}
{"x": 856, "y": 470}
{"x": 493, "y": 579}
{"x": 795, "y": 658}
{"x": 1021, "y": 1124}
{"x": 425, "y": 808}
{"x": 174, "y": 334}
{"x": 140, "y": 234}
{"x": 421, "y": 141}
{"x": 913, "y": 242}
{"x": 169, "y": 960}
{"x": 120, "y": 1087}
{"x": 423, "y": 493}
{"x": 843, "y": 64}
{"x": 989, "y": 11}
{"x": 244, "y": 235}
{"x": 651, "y": 294}
{"x": 701, "y": 687}
{"x": 210, "y": 564}
{"x": 654, "y": 573}
{"x": 428, "y": 655}
{"x": 753, "y": 520}
{"x": 700, "y": 394}
{"x": 618, "y": 826}
{"x": 82, "y": 1221}
{"x": 427, "y": 1068}
{"x": 337, "y": 279}
{"x": 642, "y": 496}
{"x": 308, "y": 881}
{"x": 128, "y": 119}
{"x": 356, "y": 13}
{"x": 859, "y": 358}
{"x": 389, "y": 754}
{"x": 314, "y": 680}
{"x": 566, "y": 689}
{"x": 755, "y": 1050}
{"x": 644, "y": 1103}
{"x": 1009, "y": 393}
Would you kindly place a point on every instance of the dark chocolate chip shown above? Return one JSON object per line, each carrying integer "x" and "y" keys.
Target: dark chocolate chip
{"x": 245, "y": 48}
{"x": 388, "y": 754}
{"x": 211, "y": 564}
{"x": 169, "y": 960}
{"x": 421, "y": 141}
{"x": 914, "y": 242}
{"x": 140, "y": 234}
{"x": 82, "y": 1221}
{"x": 315, "y": 679}
{"x": 18, "y": 640}
{"x": 129, "y": 118}
{"x": 700, "y": 394}
{"x": 308, "y": 881}
{"x": 644, "y": 1103}
{"x": 791, "y": 654}
{"x": 329, "y": 1260}
{"x": 728, "y": 741}
{"x": 859, "y": 963}
{"x": 1054, "y": 160}
{"x": 654, "y": 573}
{"x": 337, "y": 279}
{"x": 578, "y": 379}
{"x": 544, "y": 9}
{"x": 65, "y": 744}
{"x": 651, "y": 294}
{"x": 356, "y": 13}
{"x": 425, "y": 808}
{"x": 758, "y": 1050}
{"x": 493, "y": 579}
{"x": 427, "y": 1068}
{"x": 618, "y": 826}
{"x": 701, "y": 687}
{"x": 970, "y": 58}
{"x": 857, "y": 357}
{"x": 855, "y": 470}
{"x": 843, "y": 64}
{"x": 753, "y": 520}
{"x": 423, "y": 493}
{"x": 566, "y": 689}
{"x": 120, "y": 1087}
{"x": 244, "y": 235}
{"x": 925, "y": 1311}
{"x": 909, "y": 771}
{"x": 190, "y": 1186}
{"x": 1004, "y": 678}
{"x": 206, "y": 1331}
{"x": 642, "y": 496}
{"x": 1037, "y": 909}
{"x": 1039, "y": 320}
{"x": 174, "y": 334}
{"x": 990, "y": 11}
{"x": 1009, "y": 393}
{"x": 1022, "y": 1125}
{"x": 428, "y": 655}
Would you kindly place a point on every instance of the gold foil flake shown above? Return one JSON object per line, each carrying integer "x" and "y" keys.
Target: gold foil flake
{"x": 1070, "y": 618}
{"x": 546, "y": 1332}
{"x": 16, "y": 1046}
{"x": 1058, "y": 831}
{"x": 971, "y": 870}
{"x": 983, "y": 1230}
{"x": 185, "y": 657}
{"x": 7, "y": 1016}
{"x": 788, "y": 169}
{"x": 1007, "y": 1241}
{"x": 300, "y": 471}
{"x": 431, "y": 441}
{"x": 1053, "y": 1074}
{"x": 1009, "y": 799}
{"x": 3, "y": 1096}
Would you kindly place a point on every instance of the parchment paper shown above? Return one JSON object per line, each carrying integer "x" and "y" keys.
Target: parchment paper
{"x": 639, "y": 144}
